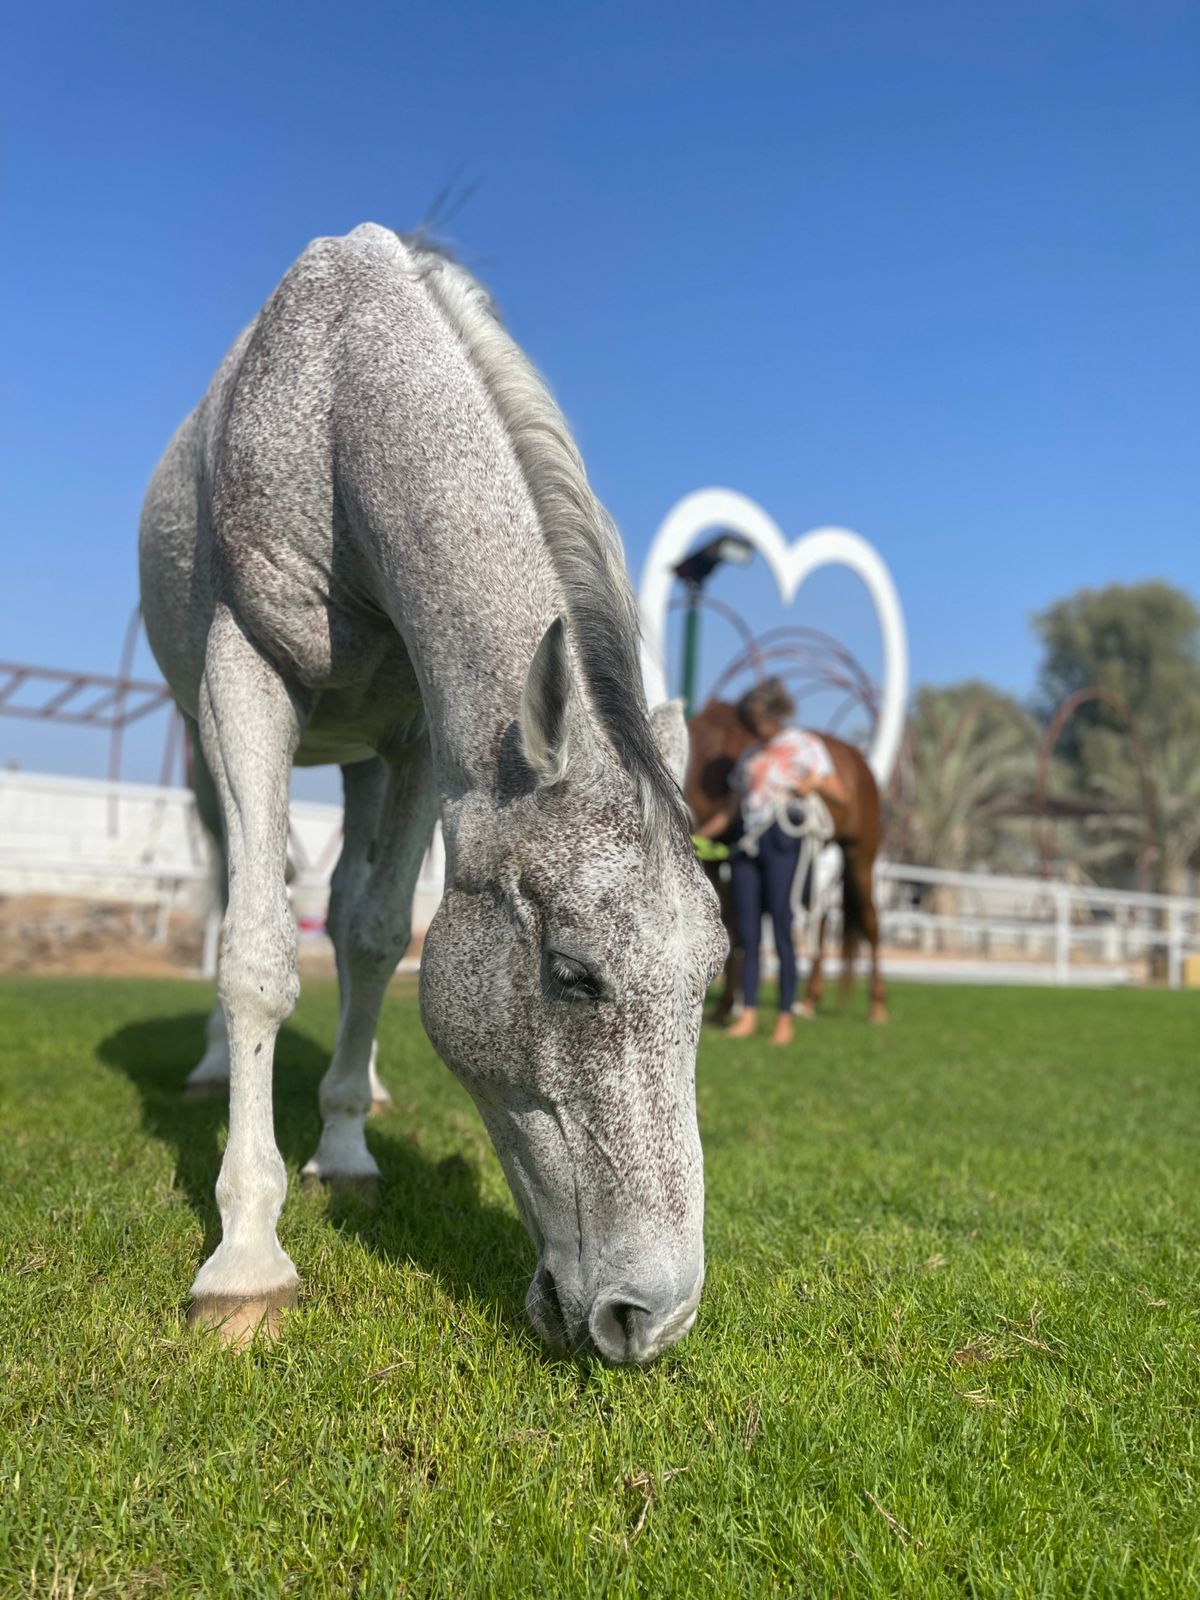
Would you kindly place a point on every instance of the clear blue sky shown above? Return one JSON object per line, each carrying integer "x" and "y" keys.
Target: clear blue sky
{"x": 926, "y": 271}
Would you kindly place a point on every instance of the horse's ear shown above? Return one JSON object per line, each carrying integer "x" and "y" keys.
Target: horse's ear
{"x": 545, "y": 702}
{"x": 671, "y": 735}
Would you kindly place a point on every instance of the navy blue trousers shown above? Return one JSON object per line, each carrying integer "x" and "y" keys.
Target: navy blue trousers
{"x": 763, "y": 884}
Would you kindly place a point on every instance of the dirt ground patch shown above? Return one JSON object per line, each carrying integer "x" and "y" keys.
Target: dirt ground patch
{"x": 53, "y": 934}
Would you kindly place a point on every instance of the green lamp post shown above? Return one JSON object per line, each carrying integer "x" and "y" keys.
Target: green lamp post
{"x": 694, "y": 572}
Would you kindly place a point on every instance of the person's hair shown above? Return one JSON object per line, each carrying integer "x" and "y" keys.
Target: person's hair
{"x": 767, "y": 699}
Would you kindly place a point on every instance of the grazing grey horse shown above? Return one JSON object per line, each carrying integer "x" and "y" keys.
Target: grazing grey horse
{"x": 374, "y": 544}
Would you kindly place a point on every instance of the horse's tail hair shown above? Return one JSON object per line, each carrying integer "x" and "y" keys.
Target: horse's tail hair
{"x": 854, "y": 927}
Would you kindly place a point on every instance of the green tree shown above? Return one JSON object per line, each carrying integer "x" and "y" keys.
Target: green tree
{"x": 965, "y": 782}
{"x": 1142, "y": 642}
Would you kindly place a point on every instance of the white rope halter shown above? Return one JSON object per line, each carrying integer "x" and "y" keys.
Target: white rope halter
{"x": 815, "y": 829}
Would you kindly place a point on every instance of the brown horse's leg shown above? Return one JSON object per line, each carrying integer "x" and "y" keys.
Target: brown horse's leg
{"x": 877, "y": 1010}
{"x": 852, "y": 917}
{"x": 815, "y": 987}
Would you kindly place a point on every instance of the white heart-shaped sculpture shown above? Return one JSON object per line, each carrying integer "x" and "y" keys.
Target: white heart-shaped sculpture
{"x": 707, "y": 509}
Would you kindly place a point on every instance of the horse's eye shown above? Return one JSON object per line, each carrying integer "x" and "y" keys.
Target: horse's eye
{"x": 568, "y": 979}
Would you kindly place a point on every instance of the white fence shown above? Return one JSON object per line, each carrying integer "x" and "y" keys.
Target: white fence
{"x": 1035, "y": 929}
{"x": 142, "y": 845}
{"x": 138, "y": 844}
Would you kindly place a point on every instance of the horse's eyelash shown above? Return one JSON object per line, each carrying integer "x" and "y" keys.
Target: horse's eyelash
{"x": 573, "y": 977}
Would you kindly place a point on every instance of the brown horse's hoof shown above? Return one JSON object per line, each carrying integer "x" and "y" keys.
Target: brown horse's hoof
{"x": 806, "y": 1011}
{"x": 237, "y": 1320}
{"x": 207, "y": 1089}
{"x": 878, "y": 1013}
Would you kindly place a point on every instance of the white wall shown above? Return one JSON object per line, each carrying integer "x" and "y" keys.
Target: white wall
{"x": 89, "y": 839}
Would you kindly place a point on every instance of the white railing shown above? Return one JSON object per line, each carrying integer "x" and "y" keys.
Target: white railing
{"x": 82, "y": 839}
{"x": 1049, "y": 929}
{"x": 143, "y": 845}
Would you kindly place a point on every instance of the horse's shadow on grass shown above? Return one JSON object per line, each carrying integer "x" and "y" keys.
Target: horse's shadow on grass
{"x": 429, "y": 1213}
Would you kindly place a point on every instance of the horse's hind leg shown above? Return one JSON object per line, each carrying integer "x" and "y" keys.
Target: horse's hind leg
{"x": 389, "y": 817}
{"x": 877, "y": 1011}
{"x": 250, "y": 725}
{"x": 364, "y": 785}
{"x": 211, "y": 1075}
{"x": 815, "y": 987}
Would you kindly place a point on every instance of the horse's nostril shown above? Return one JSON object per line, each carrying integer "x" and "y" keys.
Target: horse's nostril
{"x": 619, "y": 1330}
{"x": 623, "y": 1315}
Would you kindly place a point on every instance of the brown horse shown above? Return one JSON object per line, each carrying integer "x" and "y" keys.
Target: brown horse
{"x": 717, "y": 738}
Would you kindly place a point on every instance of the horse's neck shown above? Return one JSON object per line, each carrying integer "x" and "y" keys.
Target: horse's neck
{"x": 453, "y": 536}
{"x": 472, "y": 627}
{"x": 472, "y": 589}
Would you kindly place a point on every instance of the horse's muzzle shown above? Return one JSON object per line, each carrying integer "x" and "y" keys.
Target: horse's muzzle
{"x": 625, "y": 1326}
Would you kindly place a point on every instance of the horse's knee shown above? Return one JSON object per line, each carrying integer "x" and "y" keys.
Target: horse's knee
{"x": 257, "y": 973}
{"x": 373, "y": 944}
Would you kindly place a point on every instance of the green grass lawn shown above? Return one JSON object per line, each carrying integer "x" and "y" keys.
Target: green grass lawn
{"x": 950, "y": 1342}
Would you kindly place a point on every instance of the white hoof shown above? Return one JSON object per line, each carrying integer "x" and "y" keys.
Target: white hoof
{"x": 238, "y": 1319}
{"x": 251, "y": 1269}
{"x": 342, "y": 1155}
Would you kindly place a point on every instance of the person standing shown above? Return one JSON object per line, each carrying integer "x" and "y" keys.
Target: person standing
{"x": 784, "y": 765}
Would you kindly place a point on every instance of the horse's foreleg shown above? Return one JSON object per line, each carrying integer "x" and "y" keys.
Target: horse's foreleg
{"x": 389, "y": 818}
{"x": 249, "y": 726}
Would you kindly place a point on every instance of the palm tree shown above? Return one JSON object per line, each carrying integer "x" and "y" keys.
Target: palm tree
{"x": 1112, "y": 844}
{"x": 965, "y": 782}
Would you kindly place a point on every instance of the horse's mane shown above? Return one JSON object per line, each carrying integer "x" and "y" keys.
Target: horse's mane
{"x": 581, "y": 539}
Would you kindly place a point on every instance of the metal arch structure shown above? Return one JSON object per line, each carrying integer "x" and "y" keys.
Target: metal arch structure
{"x": 92, "y": 699}
{"x": 56, "y": 695}
{"x": 979, "y": 706}
{"x": 792, "y": 653}
{"x": 1043, "y": 743}
{"x": 810, "y": 662}
{"x": 790, "y": 565}
{"x": 997, "y": 706}
{"x": 96, "y": 700}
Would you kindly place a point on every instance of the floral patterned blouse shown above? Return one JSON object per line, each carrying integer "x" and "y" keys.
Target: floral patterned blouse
{"x": 765, "y": 775}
